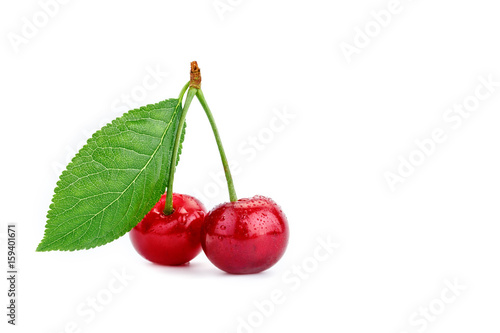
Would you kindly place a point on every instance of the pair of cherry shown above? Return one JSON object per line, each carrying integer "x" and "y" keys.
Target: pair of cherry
{"x": 240, "y": 237}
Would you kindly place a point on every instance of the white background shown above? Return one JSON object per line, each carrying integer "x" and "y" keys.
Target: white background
{"x": 349, "y": 123}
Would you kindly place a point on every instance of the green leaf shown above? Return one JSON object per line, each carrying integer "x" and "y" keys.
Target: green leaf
{"x": 180, "y": 144}
{"x": 114, "y": 180}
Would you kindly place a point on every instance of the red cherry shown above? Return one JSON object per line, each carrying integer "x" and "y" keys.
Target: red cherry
{"x": 246, "y": 236}
{"x": 170, "y": 239}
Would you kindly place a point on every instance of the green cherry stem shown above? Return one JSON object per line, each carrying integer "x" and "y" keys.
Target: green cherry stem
{"x": 181, "y": 94}
{"x": 227, "y": 172}
{"x": 169, "y": 205}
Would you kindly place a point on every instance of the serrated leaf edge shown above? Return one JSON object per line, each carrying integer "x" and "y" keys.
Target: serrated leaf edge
{"x": 43, "y": 247}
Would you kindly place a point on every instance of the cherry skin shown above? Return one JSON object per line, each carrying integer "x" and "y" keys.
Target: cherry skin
{"x": 245, "y": 237}
{"x": 170, "y": 239}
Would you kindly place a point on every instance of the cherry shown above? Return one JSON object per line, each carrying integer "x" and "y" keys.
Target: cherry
{"x": 246, "y": 236}
{"x": 242, "y": 236}
{"x": 170, "y": 233}
{"x": 170, "y": 239}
